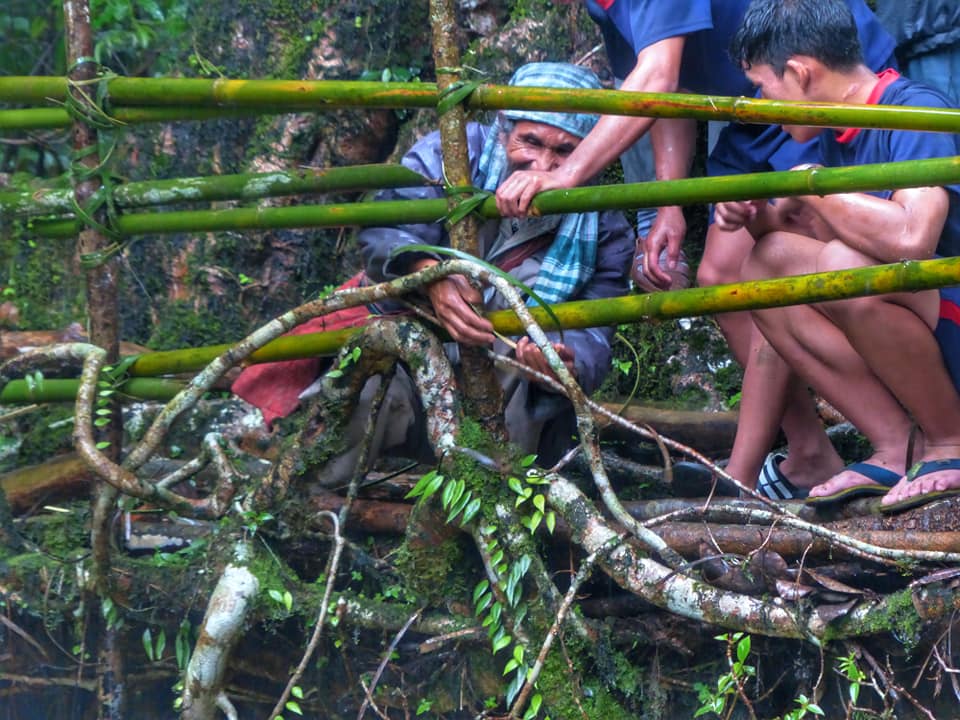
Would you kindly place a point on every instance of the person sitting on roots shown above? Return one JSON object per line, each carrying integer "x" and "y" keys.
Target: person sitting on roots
{"x": 658, "y": 46}
{"x": 576, "y": 256}
{"x": 888, "y": 361}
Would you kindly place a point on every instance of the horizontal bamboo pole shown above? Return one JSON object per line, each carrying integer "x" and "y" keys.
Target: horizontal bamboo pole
{"x": 818, "y": 181}
{"x": 184, "y": 98}
{"x": 244, "y": 186}
{"x": 65, "y": 390}
{"x": 778, "y": 292}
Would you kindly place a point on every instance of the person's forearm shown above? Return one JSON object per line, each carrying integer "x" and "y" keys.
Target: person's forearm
{"x": 657, "y": 71}
{"x": 883, "y": 229}
{"x": 673, "y": 142}
{"x": 609, "y": 139}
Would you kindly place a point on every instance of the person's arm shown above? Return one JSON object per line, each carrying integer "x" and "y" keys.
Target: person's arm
{"x": 657, "y": 70}
{"x": 673, "y": 142}
{"x": 586, "y": 352}
{"x": 905, "y": 227}
{"x": 452, "y": 298}
{"x": 378, "y": 244}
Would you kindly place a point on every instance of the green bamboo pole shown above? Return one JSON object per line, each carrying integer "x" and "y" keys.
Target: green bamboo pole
{"x": 65, "y": 390}
{"x": 185, "y": 98}
{"x": 818, "y": 181}
{"x": 22, "y": 120}
{"x": 244, "y": 186}
{"x": 778, "y": 292}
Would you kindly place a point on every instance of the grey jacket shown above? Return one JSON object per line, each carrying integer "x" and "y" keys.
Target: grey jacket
{"x": 920, "y": 26}
{"x": 615, "y": 247}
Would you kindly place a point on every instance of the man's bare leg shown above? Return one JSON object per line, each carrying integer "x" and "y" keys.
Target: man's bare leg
{"x": 770, "y": 399}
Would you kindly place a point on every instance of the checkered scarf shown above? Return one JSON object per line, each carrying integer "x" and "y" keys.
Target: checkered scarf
{"x": 571, "y": 258}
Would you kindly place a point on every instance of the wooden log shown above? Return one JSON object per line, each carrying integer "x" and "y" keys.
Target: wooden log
{"x": 60, "y": 478}
{"x": 685, "y": 538}
{"x": 711, "y": 433}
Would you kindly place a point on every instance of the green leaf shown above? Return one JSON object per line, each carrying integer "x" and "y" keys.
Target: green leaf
{"x": 275, "y": 595}
{"x": 459, "y": 506}
{"x": 528, "y": 460}
{"x": 471, "y": 510}
{"x": 743, "y": 648}
{"x": 297, "y": 692}
{"x": 161, "y": 645}
{"x": 432, "y": 487}
{"x": 495, "y": 612}
{"x": 539, "y": 502}
{"x": 287, "y": 600}
{"x": 535, "y": 702}
{"x": 467, "y": 206}
{"x": 103, "y": 445}
{"x": 510, "y": 666}
{"x": 454, "y": 94}
{"x": 514, "y": 484}
{"x": 147, "y": 639}
{"x": 480, "y": 589}
{"x": 502, "y": 642}
{"x": 293, "y": 707}
{"x": 483, "y": 603}
{"x": 551, "y": 521}
{"x": 421, "y": 485}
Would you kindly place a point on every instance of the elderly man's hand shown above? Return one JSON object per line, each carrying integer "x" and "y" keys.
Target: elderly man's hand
{"x": 529, "y": 354}
{"x": 517, "y": 192}
{"x": 453, "y": 299}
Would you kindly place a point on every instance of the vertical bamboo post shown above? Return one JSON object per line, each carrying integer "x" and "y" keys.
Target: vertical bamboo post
{"x": 102, "y": 317}
{"x": 483, "y": 394}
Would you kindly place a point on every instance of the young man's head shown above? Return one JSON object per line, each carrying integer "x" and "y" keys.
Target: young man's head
{"x": 786, "y": 47}
{"x": 773, "y": 31}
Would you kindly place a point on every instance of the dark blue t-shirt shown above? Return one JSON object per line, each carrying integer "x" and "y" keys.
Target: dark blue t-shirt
{"x": 877, "y": 146}
{"x": 628, "y": 26}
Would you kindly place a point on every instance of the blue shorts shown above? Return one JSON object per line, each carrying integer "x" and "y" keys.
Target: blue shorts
{"x": 948, "y": 331}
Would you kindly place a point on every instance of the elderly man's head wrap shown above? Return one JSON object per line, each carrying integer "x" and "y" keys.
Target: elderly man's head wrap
{"x": 556, "y": 75}
{"x": 571, "y": 258}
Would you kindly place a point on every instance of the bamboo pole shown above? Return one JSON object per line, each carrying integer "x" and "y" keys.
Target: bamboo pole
{"x": 241, "y": 186}
{"x": 815, "y": 181}
{"x": 778, "y": 292}
{"x": 182, "y": 98}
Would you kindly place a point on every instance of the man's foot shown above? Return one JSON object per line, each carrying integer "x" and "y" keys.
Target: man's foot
{"x": 926, "y": 481}
{"x": 863, "y": 479}
{"x": 774, "y": 483}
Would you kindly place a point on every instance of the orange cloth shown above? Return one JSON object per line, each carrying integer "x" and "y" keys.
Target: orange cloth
{"x": 275, "y": 387}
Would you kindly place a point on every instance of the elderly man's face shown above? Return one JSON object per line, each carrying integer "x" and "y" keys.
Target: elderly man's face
{"x": 537, "y": 146}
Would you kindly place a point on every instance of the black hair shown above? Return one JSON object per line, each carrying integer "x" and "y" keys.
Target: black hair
{"x": 773, "y": 31}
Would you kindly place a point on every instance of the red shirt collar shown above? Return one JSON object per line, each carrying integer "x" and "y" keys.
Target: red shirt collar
{"x": 884, "y": 79}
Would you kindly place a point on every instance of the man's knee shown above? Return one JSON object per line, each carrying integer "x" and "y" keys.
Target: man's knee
{"x": 723, "y": 256}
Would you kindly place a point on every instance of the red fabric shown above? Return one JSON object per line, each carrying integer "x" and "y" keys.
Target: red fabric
{"x": 949, "y": 311}
{"x": 884, "y": 79}
{"x": 275, "y": 387}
